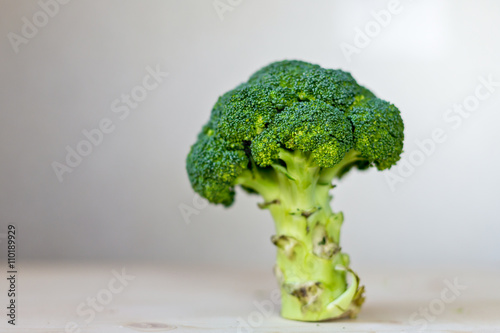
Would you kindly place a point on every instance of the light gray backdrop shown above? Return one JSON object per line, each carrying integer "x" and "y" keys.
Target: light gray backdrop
{"x": 67, "y": 72}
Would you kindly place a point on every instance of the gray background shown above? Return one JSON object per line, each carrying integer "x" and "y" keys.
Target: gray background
{"x": 123, "y": 201}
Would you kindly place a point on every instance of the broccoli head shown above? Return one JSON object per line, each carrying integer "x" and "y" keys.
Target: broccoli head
{"x": 286, "y": 134}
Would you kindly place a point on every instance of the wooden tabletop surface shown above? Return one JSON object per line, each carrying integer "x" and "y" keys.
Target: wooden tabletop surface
{"x": 63, "y": 297}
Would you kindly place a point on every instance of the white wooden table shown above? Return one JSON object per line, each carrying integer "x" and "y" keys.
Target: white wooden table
{"x": 160, "y": 298}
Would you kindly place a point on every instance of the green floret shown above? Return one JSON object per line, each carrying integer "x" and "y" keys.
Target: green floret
{"x": 213, "y": 168}
{"x": 311, "y": 127}
{"x": 378, "y": 132}
{"x": 282, "y": 73}
{"x": 287, "y": 134}
{"x": 245, "y": 113}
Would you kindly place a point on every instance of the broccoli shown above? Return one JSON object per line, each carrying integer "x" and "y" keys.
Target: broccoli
{"x": 287, "y": 134}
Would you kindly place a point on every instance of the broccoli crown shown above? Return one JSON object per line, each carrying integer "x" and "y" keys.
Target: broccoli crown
{"x": 292, "y": 105}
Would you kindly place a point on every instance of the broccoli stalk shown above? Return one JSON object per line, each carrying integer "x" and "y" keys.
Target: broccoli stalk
{"x": 287, "y": 134}
{"x": 310, "y": 268}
